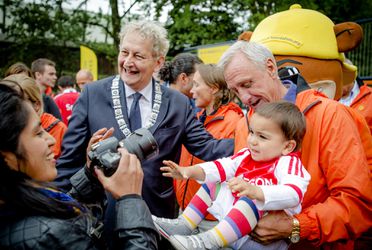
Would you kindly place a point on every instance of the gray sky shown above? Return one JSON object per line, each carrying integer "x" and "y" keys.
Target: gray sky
{"x": 95, "y": 5}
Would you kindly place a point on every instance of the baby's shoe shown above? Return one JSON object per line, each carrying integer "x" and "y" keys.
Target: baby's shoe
{"x": 193, "y": 242}
{"x": 167, "y": 227}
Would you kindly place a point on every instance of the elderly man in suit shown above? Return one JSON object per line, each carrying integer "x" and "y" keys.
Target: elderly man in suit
{"x": 166, "y": 113}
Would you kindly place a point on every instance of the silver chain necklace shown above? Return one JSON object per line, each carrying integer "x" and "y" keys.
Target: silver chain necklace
{"x": 119, "y": 114}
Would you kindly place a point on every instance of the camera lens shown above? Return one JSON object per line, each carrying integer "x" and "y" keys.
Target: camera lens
{"x": 141, "y": 143}
{"x": 104, "y": 154}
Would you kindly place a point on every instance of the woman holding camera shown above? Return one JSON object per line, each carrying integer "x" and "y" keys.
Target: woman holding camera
{"x": 34, "y": 215}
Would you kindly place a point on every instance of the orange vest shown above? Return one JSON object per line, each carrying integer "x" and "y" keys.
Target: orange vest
{"x": 55, "y": 128}
{"x": 220, "y": 125}
{"x": 338, "y": 203}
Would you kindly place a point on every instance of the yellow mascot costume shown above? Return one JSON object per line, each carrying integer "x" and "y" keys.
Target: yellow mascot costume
{"x": 311, "y": 42}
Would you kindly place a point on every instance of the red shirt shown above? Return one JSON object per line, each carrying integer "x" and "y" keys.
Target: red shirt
{"x": 65, "y": 101}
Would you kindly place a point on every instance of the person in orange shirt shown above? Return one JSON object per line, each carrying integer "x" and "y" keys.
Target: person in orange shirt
{"x": 338, "y": 202}
{"x": 218, "y": 114}
{"x": 52, "y": 125}
{"x": 359, "y": 97}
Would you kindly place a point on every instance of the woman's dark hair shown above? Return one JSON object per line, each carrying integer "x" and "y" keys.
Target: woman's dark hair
{"x": 18, "y": 191}
{"x": 66, "y": 82}
{"x": 182, "y": 63}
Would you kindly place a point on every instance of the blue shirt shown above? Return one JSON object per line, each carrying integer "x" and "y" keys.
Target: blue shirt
{"x": 291, "y": 94}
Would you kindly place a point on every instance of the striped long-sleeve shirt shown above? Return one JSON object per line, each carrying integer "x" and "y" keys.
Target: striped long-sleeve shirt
{"x": 283, "y": 180}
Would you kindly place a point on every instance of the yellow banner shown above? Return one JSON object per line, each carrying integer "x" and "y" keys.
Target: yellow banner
{"x": 212, "y": 54}
{"x": 88, "y": 60}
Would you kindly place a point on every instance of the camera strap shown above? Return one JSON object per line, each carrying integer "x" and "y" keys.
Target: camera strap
{"x": 96, "y": 232}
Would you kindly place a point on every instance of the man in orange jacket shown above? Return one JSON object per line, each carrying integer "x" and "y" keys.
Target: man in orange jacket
{"x": 359, "y": 97}
{"x": 337, "y": 205}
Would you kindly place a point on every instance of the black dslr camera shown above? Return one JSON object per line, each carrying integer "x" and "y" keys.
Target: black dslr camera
{"x": 104, "y": 154}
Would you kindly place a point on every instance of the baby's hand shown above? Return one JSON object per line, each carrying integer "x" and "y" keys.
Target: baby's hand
{"x": 171, "y": 169}
{"x": 243, "y": 188}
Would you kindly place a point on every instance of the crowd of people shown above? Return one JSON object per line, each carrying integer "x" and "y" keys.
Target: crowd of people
{"x": 271, "y": 176}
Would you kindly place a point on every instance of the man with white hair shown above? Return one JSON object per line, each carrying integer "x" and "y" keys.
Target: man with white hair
{"x": 338, "y": 197}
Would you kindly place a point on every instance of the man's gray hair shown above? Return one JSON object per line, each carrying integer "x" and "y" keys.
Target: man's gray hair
{"x": 149, "y": 30}
{"x": 254, "y": 52}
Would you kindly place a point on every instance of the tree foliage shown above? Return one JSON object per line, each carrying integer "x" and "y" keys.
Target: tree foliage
{"x": 45, "y": 23}
{"x": 198, "y": 22}
{"x": 44, "y": 28}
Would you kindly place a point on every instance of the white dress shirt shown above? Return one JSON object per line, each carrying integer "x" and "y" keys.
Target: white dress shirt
{"x": 347, "y": 100}
{"x": 144, "y": 102}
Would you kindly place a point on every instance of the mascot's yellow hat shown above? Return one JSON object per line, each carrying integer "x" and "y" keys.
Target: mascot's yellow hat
{"x": 299, "y": 32}
{"x": 304, "y": 33}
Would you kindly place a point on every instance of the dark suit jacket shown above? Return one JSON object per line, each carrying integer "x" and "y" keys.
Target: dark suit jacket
{"x": 176, "y": 125}
{"x": 51, "y": 107}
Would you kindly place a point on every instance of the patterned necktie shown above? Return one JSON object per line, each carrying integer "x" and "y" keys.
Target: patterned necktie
{"x": 135, "y": 113}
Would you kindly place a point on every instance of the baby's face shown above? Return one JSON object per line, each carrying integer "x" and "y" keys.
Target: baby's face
{"x": 266, "y": 139}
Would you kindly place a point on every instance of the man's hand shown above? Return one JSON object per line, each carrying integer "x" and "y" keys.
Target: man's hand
{"x": 274, "y": 226}
{"x": 172, "y": 169}
{"x": 99, "y": 135}
{"x": 127, "y": 179}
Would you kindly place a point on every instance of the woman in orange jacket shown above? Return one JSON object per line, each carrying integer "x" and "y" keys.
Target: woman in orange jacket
{"x": 52, "y": 125}
{"x": 219, "y": 116}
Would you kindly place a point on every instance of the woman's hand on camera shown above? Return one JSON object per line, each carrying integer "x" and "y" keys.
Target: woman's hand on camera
{"x": 127, "y": 179}
{"x": 99, "y": 135}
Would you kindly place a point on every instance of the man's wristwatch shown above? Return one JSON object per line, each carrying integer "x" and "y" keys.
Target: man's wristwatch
{"x": 295, "y": 234}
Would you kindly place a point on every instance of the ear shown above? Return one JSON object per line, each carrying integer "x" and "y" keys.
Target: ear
{"x": 159, "y": 63}
{"x": 271, "y": 68}
{"x": 184, "y": 79}
{"x": 290, "y": 145}
{"x": 37, "y": 75}
{"x": 245, "y": 36}
{"x": 10, "y": 159}
{"x": 214, "y": 90}
{"x": 349, "y": 35}
{"x": 327, "y": 87}
{"x": 37, "y": 106}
